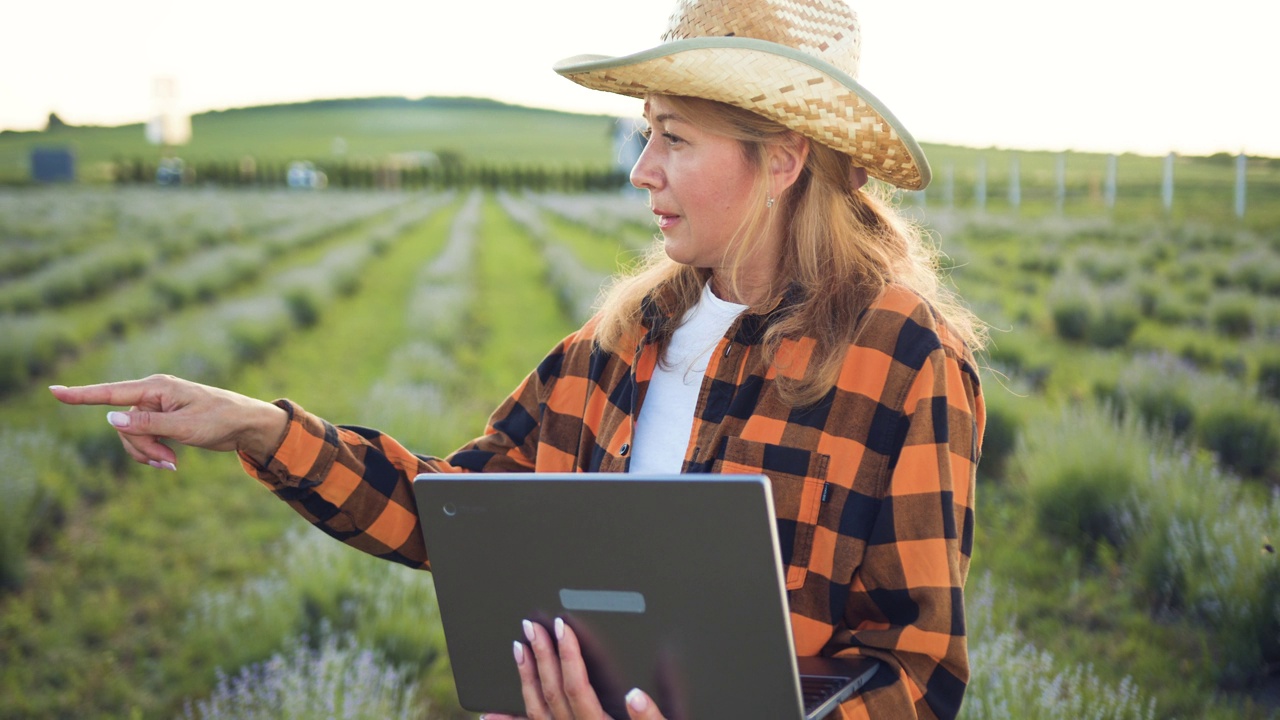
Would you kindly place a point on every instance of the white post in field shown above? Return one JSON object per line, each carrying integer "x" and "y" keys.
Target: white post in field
{"x": 1015, "y": 184}
{"x": 1109, "y": 191}
{"x": 980, "y": 188}
{"x": 1060, "y": 175}
{"x": 1241, "y": 162}
{"x": 1166, "y": 188}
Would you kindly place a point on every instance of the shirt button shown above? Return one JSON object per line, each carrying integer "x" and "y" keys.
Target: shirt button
{"x": 626, "y": 448}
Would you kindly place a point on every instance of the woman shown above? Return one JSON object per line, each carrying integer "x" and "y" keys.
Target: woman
{"x": 790, "y": 324}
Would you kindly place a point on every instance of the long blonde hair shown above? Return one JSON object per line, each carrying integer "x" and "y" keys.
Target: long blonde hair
{"x": 843, "y": 245}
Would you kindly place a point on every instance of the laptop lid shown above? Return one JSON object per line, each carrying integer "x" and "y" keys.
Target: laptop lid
{"x": 673, "y": 584}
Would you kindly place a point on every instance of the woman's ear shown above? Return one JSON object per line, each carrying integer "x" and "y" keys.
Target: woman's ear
{"x": 786, "y": 160}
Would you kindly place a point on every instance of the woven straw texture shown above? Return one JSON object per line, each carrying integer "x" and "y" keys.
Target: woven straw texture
{"x": 820, "y": 105}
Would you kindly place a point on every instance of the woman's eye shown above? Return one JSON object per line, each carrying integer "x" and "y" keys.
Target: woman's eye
{"x": 669, "y": 138}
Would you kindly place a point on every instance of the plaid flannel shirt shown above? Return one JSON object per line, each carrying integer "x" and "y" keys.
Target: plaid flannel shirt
{"x": 873, "y": 486}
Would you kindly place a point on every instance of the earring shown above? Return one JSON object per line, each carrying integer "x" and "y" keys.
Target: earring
{"x": 769, "y": 203}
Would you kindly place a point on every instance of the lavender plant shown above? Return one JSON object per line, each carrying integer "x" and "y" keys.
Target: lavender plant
{"x": 319, "y": 587}
{"x": 336, "y": 679}
{"x": 31, "y": 494}
{"x": 1012, "y": 679}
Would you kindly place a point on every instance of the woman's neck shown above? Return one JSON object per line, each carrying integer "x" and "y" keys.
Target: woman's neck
{"x": 750, "y": 293}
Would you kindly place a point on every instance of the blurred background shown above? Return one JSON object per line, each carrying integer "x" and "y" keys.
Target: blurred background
{"x": 347, "y": 206}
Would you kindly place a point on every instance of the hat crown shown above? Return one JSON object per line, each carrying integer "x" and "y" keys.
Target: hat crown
{"x": 826, "y": 29}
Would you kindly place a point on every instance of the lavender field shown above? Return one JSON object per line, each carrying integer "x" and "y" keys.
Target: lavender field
{"x": 1128, "y": 509}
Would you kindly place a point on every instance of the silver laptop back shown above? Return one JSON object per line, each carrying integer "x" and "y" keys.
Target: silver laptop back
{"x": 673, "y": 584}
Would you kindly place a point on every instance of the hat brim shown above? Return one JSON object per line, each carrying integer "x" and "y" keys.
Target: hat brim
{"x": 794, "y": 88}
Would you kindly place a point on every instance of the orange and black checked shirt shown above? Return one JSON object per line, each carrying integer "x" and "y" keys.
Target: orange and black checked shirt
{"x": 873, "y": 486}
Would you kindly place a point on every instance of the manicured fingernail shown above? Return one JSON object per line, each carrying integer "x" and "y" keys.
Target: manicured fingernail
{"x": 57, "y": 387}
{"x": 518, "y": 650}
{"x": 637, "y": 700}
{"x": 559, "y": 629}
{"x": 118, "y": 419}
{"x": 528, "y": 630}
{"x": 162, "y": 465}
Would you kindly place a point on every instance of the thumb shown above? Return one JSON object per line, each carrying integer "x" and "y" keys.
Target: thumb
{"x": 140, "y": 422}
{"x": 641, "y": 707}
{"x": 137, "y": 432}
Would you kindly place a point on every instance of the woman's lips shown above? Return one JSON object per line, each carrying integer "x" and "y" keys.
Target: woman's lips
{"x": 665, "y": 221}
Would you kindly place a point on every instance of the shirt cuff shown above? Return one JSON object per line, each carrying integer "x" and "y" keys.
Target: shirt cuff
{"x": 302, "y": 456}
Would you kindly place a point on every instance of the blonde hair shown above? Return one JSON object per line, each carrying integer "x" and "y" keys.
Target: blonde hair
{"x": 843, "y": 246}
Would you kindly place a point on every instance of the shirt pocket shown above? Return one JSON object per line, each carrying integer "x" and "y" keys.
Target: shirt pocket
{"x": 797, "y": 478}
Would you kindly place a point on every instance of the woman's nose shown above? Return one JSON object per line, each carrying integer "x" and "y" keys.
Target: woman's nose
{"x": 645, "y": 173}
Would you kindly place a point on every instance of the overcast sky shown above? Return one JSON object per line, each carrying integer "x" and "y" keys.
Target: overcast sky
{"x": 1102, "y": 75}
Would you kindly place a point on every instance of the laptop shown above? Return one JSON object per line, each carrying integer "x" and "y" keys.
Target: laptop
{"x": 672, "y": 583}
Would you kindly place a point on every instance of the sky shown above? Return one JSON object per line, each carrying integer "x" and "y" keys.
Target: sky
{"x": 1142, "y": 76}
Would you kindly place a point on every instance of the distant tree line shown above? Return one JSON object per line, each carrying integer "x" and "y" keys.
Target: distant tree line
{"x": 447, "y": 173}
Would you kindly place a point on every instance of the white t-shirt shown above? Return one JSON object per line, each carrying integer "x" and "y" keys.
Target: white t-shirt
{"x": 666, "y": 417}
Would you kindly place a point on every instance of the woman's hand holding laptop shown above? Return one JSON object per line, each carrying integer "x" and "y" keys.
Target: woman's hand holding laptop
{"x": 554, "y": 680}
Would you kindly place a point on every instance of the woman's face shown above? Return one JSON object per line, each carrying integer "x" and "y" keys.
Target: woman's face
{"x": 700, "y": 188}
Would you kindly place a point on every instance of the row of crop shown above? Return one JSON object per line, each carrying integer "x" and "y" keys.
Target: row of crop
{"x": 328, "y": 632}
{"x": 1014, "y": 679}
{"x": 224, "y": 336}
{"x": 607, "y": 215}
{"x": 371, "y": 646}
{"x": 424, "y": 395}
{"x": 37, "y": 229}
{"x": 110, "y": 263}
{"x": 577, "y": 287}
{"x": 1105, "y": 281}
{"x": 1192, "y": 540}
{"x": 40, "y": 339}
{"x": 370, "y": 614}
{"x": 208, "y": 345}
{"x": 423, "y": 380}
{"x": 1140, "y": 441}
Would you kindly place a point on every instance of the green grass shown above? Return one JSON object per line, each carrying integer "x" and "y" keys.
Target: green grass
{"x": 520, "y": 318}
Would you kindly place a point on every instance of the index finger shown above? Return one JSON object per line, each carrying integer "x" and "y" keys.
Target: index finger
{"x": 126, "y": 393}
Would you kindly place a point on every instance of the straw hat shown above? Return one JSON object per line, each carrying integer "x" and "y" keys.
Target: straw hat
{"x": 793, "y": 61}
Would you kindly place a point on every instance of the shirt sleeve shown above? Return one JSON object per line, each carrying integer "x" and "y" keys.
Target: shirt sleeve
{"x": 356, "y": 484}
{"x": 906, "y": 601}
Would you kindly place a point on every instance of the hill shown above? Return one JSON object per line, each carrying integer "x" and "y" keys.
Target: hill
{"x": 356, "y": 129}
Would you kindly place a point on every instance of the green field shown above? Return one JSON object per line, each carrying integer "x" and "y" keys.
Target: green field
{"x": 375, "y": 131}
{"x": 364, "y": 130}
{"x": 1129, "y": 492}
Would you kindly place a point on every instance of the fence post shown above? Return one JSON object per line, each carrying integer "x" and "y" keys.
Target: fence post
{"x": 1109, "y": 194}
{"x": 1166, "y": 188}
{"x": 980, "y": 188}
{"x": 949, "y": 187}
{"x": 1241, "y": 162}
{"x": 1015, "y": 184}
